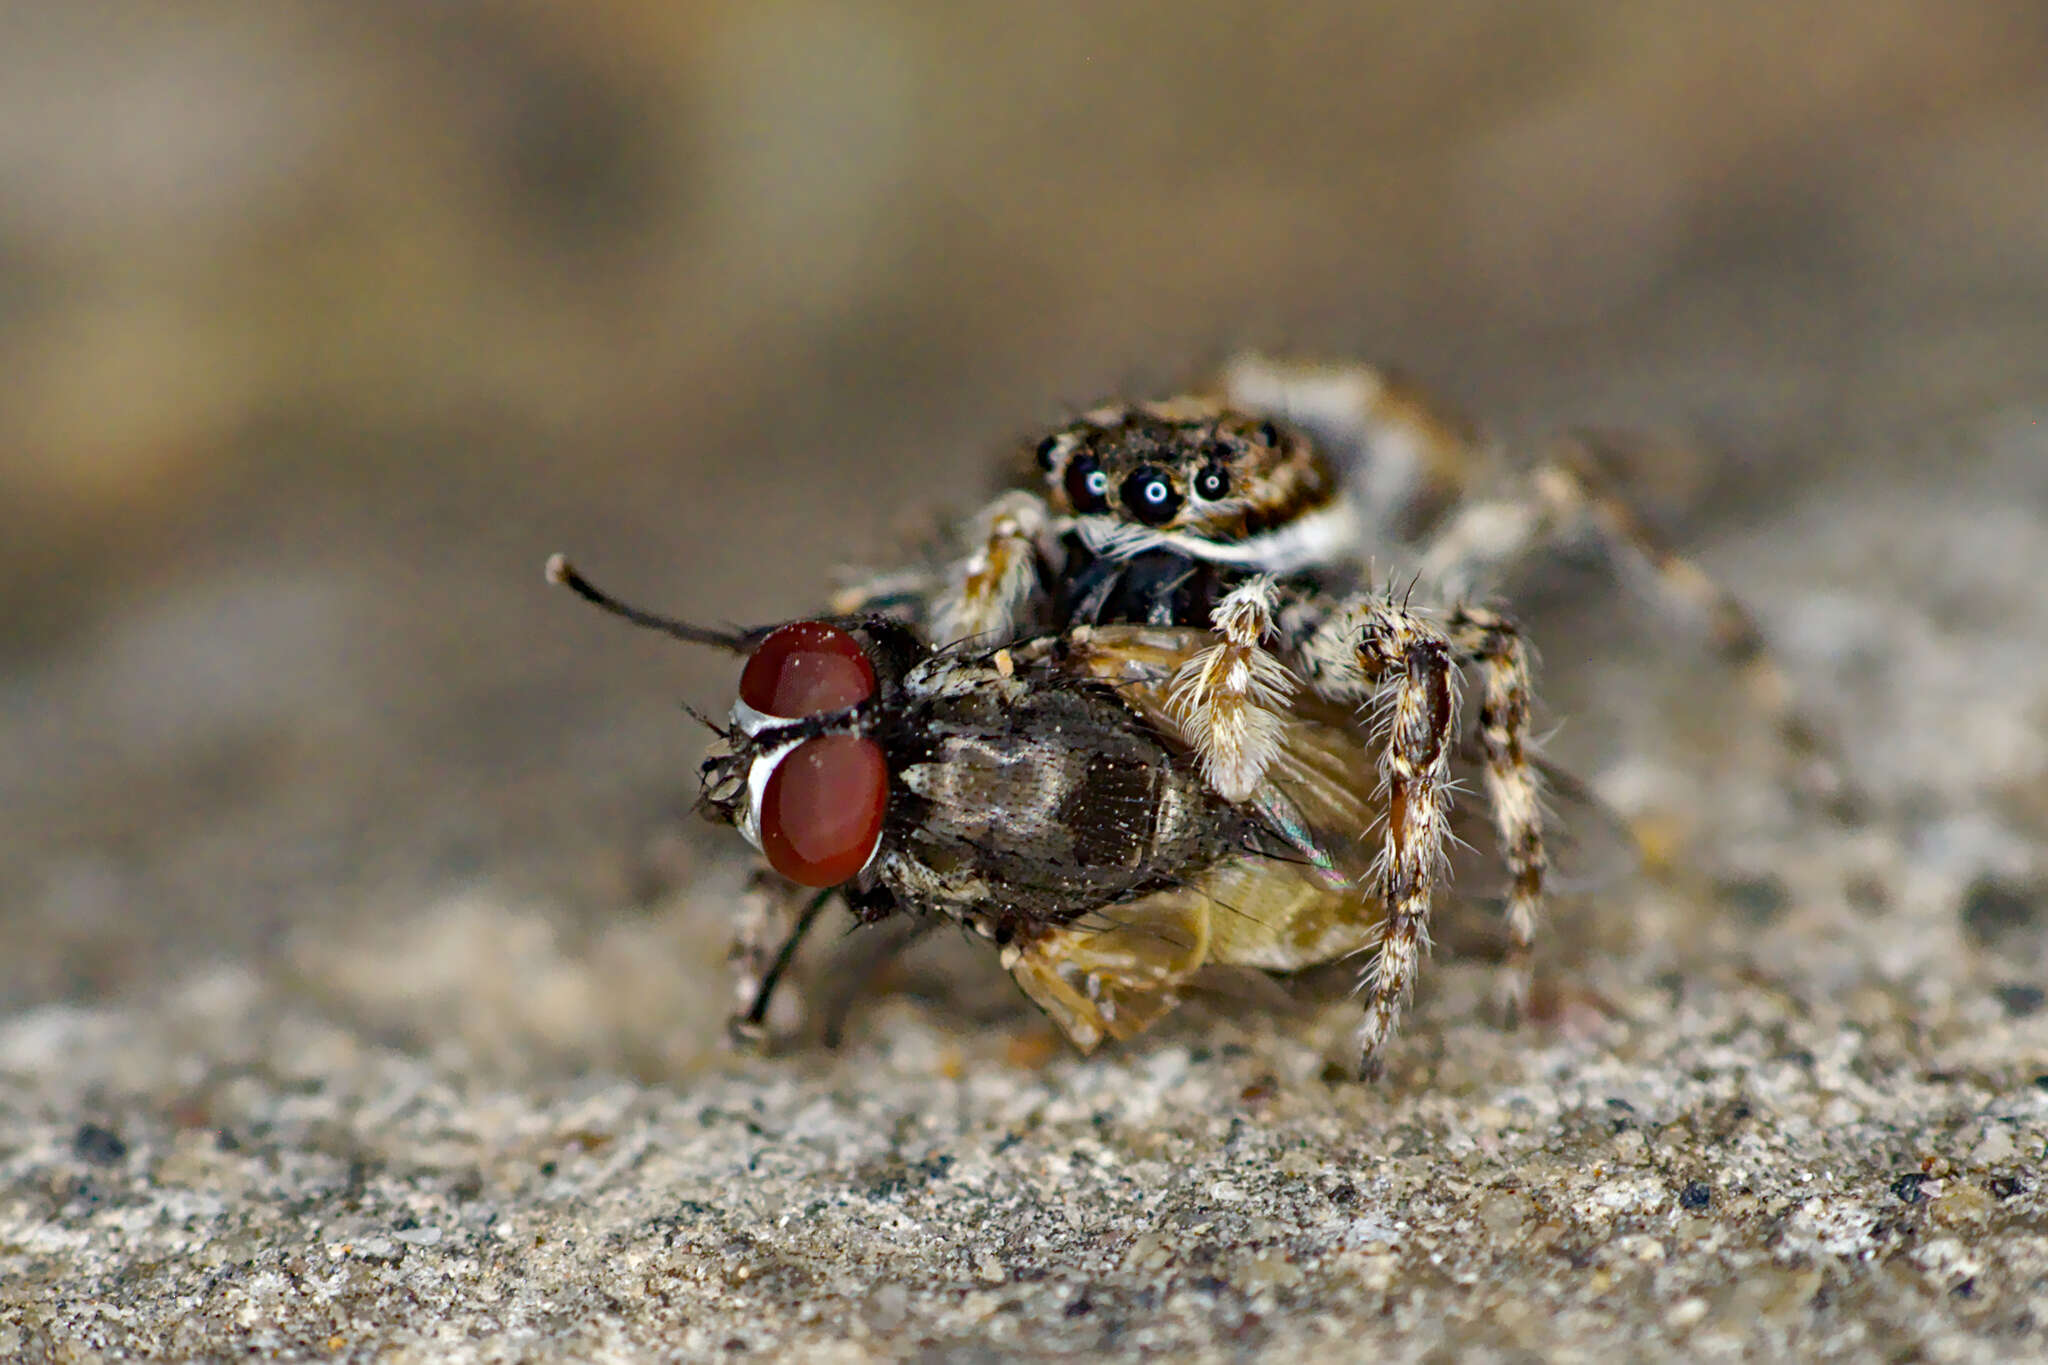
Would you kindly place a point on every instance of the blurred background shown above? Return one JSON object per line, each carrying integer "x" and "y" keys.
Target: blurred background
{"x": 322, "y": 324}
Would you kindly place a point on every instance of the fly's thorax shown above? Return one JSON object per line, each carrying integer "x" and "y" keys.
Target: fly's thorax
{"x": 1054, "y": 798}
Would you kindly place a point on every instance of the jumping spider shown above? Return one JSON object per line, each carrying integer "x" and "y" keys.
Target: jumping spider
{"x": 1255, "y": 512}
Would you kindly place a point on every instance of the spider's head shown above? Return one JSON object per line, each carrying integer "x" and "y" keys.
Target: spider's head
{"x": 1193, "y": 476}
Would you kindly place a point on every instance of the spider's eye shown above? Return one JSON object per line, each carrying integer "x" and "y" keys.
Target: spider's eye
{"x": 1212, "y": 483}
{"x": 1269, "y": 434}
{"x": 804, "y": 668}
{"x": 1151, "y": 496}
{"x": 1046, "y": 450}
{"x": 1087, "y": 486}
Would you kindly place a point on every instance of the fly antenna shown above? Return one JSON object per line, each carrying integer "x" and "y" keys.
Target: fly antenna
{"x": 561, "y": 572}
{"x": 713, "y": 726}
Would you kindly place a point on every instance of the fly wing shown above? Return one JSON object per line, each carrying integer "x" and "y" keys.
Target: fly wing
{"x": 1114, "y": 974}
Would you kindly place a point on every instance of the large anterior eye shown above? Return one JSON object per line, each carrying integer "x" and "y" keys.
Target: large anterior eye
{"x": 1151, "y": 496}
{"x": 821, "y": 814}
{"x": 804, "y": 668}
{"x": 1087, "y": 486}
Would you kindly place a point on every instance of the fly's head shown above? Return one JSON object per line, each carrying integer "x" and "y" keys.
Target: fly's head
{"x": 1199, "y": 479}
{"x": 803, "y": 772}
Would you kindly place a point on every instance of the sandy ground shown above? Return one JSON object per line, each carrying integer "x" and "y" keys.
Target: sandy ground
{"x": 360, "y": 991}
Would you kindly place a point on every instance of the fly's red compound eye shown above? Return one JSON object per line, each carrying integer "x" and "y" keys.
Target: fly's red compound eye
{"x": 804, "y": 668}
{"x": 821, "y": 805}
{"x": 821, "y": 814}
